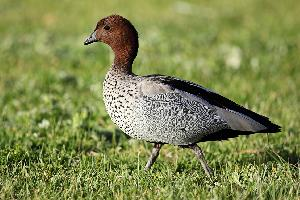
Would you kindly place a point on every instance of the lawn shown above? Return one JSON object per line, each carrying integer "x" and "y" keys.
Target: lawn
{"x": 57, "y": 141}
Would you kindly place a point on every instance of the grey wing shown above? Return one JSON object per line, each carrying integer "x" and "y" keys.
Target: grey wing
{"x": 241, "y": 121}
{"x": 172, "y": 116}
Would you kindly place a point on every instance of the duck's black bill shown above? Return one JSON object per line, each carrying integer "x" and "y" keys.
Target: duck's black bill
{"x": 92, "y": 38}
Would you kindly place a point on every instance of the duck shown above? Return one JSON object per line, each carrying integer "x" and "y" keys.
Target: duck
{"x": 164, "y": 109}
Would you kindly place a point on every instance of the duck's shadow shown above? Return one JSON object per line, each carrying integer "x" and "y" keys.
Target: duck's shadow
{"x": 276, "y": 154}
{"x": 113, "y": 137}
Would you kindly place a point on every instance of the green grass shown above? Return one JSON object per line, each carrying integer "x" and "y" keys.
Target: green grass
{"x": 57, "y": 141}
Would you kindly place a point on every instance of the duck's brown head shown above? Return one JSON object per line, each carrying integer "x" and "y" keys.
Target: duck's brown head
{"x": 120, "y": 35}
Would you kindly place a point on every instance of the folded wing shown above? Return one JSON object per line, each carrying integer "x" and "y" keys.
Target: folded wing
{"x": 241, "y": 120}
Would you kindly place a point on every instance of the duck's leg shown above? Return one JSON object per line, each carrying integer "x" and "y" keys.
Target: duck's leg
{"x": 154, "y": 155}
{"x": 197, "y": 150}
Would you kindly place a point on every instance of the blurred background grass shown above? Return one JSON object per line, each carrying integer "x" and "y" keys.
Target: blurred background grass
{"x": 57, "y": 141}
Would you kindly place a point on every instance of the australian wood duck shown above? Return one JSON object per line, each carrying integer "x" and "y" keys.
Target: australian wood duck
{"x": 163, "y": 109}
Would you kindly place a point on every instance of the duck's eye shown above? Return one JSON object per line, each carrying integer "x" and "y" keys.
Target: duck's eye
{"x": 106, "y": 27}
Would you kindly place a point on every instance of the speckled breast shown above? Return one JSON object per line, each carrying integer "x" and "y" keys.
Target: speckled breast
{"x": 119, "y": 92}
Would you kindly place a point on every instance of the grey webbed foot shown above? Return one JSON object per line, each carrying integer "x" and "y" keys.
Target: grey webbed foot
{"x": 154, "y": 155}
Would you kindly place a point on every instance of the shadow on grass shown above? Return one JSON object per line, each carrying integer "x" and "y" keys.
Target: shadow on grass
{"x": 115, "y": 137}
{"x": 256, "y": 157}
{"x": 277, "y": 154}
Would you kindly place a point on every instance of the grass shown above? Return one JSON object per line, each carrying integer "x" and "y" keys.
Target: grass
{"x": 57, "y": 141}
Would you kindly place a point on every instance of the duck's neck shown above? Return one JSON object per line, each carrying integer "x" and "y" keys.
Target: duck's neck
{"x": 124, "y": 57}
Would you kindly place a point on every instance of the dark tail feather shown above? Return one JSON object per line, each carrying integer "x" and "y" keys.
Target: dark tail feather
{"x": 271, "y": 128}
